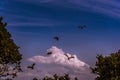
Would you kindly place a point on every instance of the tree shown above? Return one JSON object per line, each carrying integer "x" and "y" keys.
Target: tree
{"x": 107, "y": 67}
{"x": 35, "y": 78}
{"x": 56, "y": 77}
{"x": 9, "y": 53}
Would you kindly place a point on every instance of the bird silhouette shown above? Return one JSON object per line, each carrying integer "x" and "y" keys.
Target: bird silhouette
{"x": 49, "y": 53}
{"x": 56, "y": 38}
{"x": 32, "y": 66}
{"x": 82, "y": 27}
{"x": 69, "y": 57}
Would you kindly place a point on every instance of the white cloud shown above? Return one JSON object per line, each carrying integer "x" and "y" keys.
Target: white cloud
{"x": 58, "y": 63}
{"x": 58, "y": 57}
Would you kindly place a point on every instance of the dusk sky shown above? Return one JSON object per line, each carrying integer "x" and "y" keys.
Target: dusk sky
{"x": 34, "y": 23}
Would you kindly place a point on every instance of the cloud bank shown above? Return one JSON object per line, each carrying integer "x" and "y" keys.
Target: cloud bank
{"x": 58, "y": 57}
{"x": 56, "y": 62}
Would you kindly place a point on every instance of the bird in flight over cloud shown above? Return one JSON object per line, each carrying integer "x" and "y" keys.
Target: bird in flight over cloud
{"x": 49, "y": 53}
{"x": 69, "y": 57}
{"x": 32, "y": 66}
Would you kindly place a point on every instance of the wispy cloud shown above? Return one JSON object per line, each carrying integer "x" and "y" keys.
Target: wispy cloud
{"x": 16, "y": 18}
{"x": 106, "y": 7}
{"x": 35, "y": 1}
{"x": 33, "y": 24}
{"x": 15, "y": 15}
{"x": 33, "y": 21}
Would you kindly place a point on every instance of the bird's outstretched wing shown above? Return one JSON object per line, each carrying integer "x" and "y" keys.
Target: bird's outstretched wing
{"x": 31, "y": 67}
{"x": 49, "y": 53}
{"x": 69, "y": 57}
{"x": 56, "y": 38}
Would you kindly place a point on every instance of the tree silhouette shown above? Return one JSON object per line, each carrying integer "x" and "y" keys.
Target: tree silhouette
{"x": 35, "y": 78}
{"x": 9, "y": 53}
{"x": 107, "y": 67}
{"x": 56, "y": 77}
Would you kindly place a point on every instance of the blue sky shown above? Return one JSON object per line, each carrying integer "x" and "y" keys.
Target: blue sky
{"x": 34, "y": 23}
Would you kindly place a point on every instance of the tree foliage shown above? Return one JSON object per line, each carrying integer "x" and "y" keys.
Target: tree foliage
{"x": 9, "y": 53}
{"x": 56, "y": 77}
{"x": 108, "y": 67}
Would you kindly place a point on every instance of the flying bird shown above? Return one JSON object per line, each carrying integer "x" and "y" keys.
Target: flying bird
{"x": 82, "y": 27}
{"x": 32, "y": 66}
{"x": 56, "y": 38}
{"x": 69, "y": 57}
{"x": 49, "y": 53}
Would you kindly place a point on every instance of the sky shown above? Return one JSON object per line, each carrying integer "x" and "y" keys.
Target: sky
{"x": 34, "y": 23}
